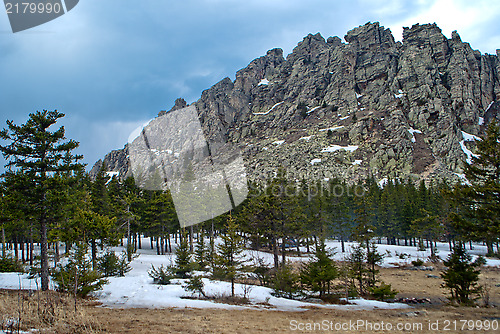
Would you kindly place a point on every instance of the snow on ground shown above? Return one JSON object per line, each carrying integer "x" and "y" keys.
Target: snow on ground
{"x": 136, "y": 289}
{"x": 357, "y": 162}
{"x": 332, "y": 128}
{"x": 464, "y": 179}
{"x": 313, "y": 109}
{"x": 263, "y": 82}
{"x": 306, "y": 138}
{"x": 480, "y": 121}
{"x": 399, "y": 95}
{"x": 345, "y": 117}
{"x": 468, "y": 137}
{"x": 383, "y": 182}
{"x": 278, "y": 142}
{"x": 335, "y": 148}
{"x": 315, "y": 161}
{"x": 412, "y": 131}
{"x": 267, "y": 112}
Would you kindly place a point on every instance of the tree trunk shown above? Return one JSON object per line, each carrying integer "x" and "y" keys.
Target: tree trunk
{"x": 342, "y": 243}
{"x": 283, "y": 252}
{"x": 139, "y": 240}
{"x": 31, "y": 246}
{"x": 16, "y": 250}
{"x": 44, "y": 255}
{"x": 3, "y": 242}
{"x": 191, "y": 239}
{"x": 21, "y": 244}
{"x": 151, "y": 241}
{"x": 56, "y": 256}
{"x": 94, "y": 254}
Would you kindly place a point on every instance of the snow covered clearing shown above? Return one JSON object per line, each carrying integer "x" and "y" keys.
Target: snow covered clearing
{"x": 136, "y": 289}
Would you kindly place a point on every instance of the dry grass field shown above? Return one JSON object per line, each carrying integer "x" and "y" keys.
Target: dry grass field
{"x": 435, "y": 317}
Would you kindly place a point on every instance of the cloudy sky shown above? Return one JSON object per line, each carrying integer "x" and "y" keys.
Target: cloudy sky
{"x": 111, "y": 65}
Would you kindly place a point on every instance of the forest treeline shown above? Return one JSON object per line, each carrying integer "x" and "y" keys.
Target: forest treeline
{"x": 47, "y": 198}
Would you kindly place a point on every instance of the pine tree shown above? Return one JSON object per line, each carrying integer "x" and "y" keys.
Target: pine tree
{"x": 77, "y": 275}
{"x": 285, "y": 282}
{"x": 201, "y": 252}
{"x": 318, "y": 274}
{"x": 183, "y": 263}
{"x": 461, "y": 277}
{"x": 478, "y": 204}
{"x": 358, "y": 268}
{"x": 40, "y": 153}
{"x": 230, "y": 259}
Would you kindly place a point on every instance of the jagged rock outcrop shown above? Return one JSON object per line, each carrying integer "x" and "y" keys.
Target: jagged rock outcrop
{"x": 371, "y": 106}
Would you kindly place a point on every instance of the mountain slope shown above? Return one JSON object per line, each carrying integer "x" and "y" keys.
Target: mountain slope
{"x": 370, "y": 106}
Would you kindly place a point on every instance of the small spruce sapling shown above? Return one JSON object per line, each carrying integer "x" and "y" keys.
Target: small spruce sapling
{"x": 461, "y": 278}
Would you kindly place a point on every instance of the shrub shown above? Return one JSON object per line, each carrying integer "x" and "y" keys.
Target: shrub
{"x": 318, "y": 274}
{"x": 161, "y": 275}
{"x": 383, "y": 292}
{"x": 8, "y": 264}
{"x": 195, "y": 285}
{"x": 461, "y": 277}
{"x": 285, "y": 282}
{"x": 78, "y": 271}
{"x": 302, "y": 108}
{"x": 263, "y": 272}
{"x": 112, "y": 265}
{"x": 417, "y": 262}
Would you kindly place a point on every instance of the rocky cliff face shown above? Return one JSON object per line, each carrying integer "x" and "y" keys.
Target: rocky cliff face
{"x": 370, "y": 106}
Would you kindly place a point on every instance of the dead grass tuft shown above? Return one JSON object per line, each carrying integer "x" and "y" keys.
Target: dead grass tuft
{"x": 48, "y": 312}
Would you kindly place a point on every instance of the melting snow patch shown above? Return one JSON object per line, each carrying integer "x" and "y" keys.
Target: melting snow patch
{"x": 310, "y": 111}
{"x": 358, "y": 95}
{"x": 357, "y": 162}
{"x": 306, "y": 138}
{"x": 399, "y": 95}
{"x": 412, "y": 131}
{"x": 383, "y": 182}
{"x": 342, "y": 118}
{"x": 267, "y": 112}
{"x": 335, "y": 148}
{"x": 468, "y": 137}
{"x": 332, "y": 129}
{"x": 489, "y": 106}
{"x": 264, "y": 82}
{"x": 315, "y": 161}
{"x": 467, "y": 152}
{"x": 481, "y": 121}
{"x": 463, "y": 178}
{"x": 278, "y": 142}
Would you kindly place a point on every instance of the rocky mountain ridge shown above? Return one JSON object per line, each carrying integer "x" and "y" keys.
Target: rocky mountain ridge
{"x": 369, "y": 106}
